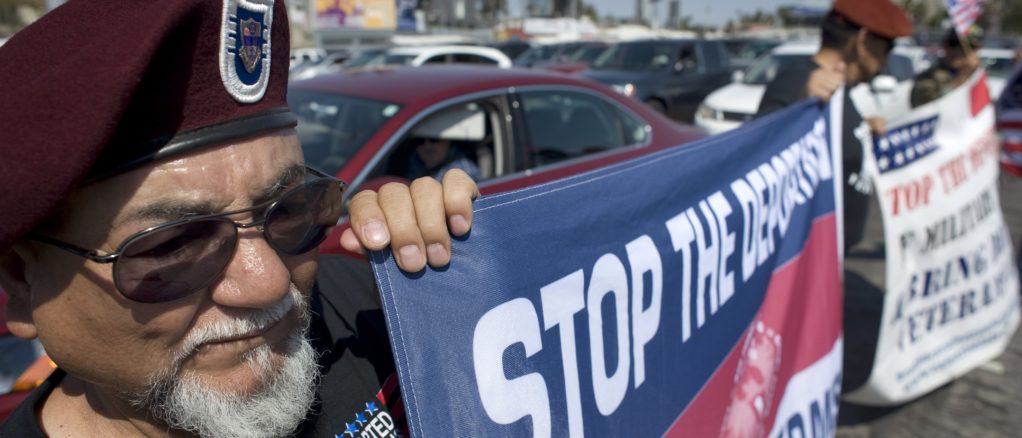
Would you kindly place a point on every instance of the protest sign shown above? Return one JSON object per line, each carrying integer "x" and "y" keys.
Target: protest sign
{"x": 691, "y": 292}
{"x": 952, "y": 285}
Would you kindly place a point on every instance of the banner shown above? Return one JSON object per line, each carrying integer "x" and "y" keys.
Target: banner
{"x": 356, "y": 14}
{"x": 952, "y": 286}
{"x": 694, "y": 291}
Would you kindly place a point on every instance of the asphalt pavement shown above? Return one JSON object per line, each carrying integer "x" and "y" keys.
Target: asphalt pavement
{"x": 986, "y": 402}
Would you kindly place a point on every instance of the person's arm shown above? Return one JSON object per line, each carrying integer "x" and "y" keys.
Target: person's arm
{"x": 416, "y": 221}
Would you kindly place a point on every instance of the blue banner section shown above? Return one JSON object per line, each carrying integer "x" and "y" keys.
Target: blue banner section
{"x": 603, "y": 303}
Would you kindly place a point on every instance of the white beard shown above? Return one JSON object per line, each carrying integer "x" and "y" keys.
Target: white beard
{"x": 185, "y": 402}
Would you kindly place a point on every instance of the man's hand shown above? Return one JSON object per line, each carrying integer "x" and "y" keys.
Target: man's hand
{"x": 823, "y": 82}
{"x": 413, "y": 220}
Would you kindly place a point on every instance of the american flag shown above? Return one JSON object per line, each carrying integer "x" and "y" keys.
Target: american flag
{"x": 964, "y": 13}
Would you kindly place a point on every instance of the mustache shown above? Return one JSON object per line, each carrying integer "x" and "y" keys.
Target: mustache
{"x": 238, "y": 326}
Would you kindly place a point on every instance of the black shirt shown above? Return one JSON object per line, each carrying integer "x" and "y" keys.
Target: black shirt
{"x": 358, "y": 389}
{"x": 788, "y": 87}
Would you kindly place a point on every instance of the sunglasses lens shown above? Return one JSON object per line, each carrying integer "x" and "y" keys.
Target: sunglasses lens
{"x": 172, "y": 262}
{"x": 300, "y": 220}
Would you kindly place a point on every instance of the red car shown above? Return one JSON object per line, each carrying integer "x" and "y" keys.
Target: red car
{"x": 517, "y": 127}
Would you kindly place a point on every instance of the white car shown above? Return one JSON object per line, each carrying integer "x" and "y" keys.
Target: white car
{"x": 736, "y": 103}
{"x": 999, "y": 64}
{"x": 454, "y": 54}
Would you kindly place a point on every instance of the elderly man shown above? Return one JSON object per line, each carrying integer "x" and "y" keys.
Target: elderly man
{"x": 856, "y": 37}
{"x": 159, "y": 231}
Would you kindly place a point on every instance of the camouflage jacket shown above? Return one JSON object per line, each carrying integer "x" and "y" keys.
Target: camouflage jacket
{"x": 931, "y": 84}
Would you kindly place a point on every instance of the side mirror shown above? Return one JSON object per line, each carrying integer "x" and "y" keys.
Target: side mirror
{"x": 884, "y": 84}
{"x": 737, "y": 76}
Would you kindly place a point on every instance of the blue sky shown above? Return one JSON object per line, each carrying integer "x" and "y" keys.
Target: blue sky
{"x": 713, "y": 12}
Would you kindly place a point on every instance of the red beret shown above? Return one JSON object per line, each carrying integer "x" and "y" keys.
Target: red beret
{"x": 96, "y": 88}
{"x": 881, "y": 17}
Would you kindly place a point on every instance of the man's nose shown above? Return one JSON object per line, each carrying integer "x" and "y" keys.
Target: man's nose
{"x": 256, "y": 277}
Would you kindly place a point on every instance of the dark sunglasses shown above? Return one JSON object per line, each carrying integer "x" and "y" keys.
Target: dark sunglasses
{"x": 173, "y": 260}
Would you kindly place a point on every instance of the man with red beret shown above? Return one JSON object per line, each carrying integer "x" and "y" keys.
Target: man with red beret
{"x": 856, "y": 37}
{"x": 158, "y": 232}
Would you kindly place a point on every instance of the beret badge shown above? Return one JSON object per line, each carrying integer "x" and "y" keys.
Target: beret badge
{"x": 245, "y": 48}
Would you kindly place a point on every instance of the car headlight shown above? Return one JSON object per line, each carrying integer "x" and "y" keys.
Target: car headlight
{"x": 626, "y": 89}
{"x": 706, "y": 112}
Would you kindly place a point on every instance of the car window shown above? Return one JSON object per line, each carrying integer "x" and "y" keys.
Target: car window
{"x": 587, "y": 54}
{"x": 332, "y": 128}
{"x": 566, "y": 124}
{"x": 465, "y": 135}
{"x": 765, "y": 69}
{"x": 688, "y": 58}
{"x": 711, "y": 57}
{"x": 395, "y": 59}
{"x": 646, "y": 55}
{"x": 469, "y": 58}
{"x": 998, "y": 67}
{"x": 899, "y": 66}
{"x": 436, "y": 59}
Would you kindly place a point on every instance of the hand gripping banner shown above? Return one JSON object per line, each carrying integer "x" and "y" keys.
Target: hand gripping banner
{"x": 952, "y": 287}
{"x": 691, "y": 292}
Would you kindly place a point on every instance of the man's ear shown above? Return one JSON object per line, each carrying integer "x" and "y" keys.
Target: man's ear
{"x": 13, "y": 281}
{"x": 861, "y": 42}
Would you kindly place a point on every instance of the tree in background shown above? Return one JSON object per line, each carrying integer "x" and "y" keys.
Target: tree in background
{"x": 16, "y": 14}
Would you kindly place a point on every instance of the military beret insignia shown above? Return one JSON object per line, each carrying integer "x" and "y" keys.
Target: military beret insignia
{"x": 245, "y": 48}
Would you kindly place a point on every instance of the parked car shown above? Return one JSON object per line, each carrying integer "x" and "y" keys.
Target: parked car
{"x": 511, "y": 48}
{"x": 303, "y": 56}
{"x": 537, "y": 53}
{"x": 574, "y": 57}
{"x": 1009, "y": 123}
{"x": 416, "y": 56}
{"x": 999, "y": 64}
{"x": 743, "y": 52}
{"x": 364, "y": 57}
{"x": 728, "y": 107}
{"x": 520, "y": 127}
{"x": 332, "y": 61}
{"x": 673, "y": 76}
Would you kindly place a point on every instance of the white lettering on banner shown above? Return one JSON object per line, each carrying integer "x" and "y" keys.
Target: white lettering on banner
{"x": 809, "y": 406}
{"x": 952, "y": 285}
{"x": 561, "y": 300}
{"x": 507, "y": 401}
{"x": 609, "y": 280}
{"x": 644, "y": 258}
{"x": 704, "y": 251}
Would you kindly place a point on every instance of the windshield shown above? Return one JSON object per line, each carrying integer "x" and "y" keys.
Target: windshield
{"x": 764, "y": 70}
{"x": 637, "y": 56}
{"x": 587, "y": 54}
{"x": 332, "y": 128}
{"x": 398, "y": 59}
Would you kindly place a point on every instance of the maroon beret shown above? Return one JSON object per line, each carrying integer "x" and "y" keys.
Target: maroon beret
{"x": 96, "y": 88}
{"x": 881, "y": 17}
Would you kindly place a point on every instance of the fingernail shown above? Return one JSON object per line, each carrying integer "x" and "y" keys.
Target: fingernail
{"x": 375, "y": 232}
{"x": 411, "y": 257}
{"x": 459, "y": 225}
{"x": 436, "y": 252}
